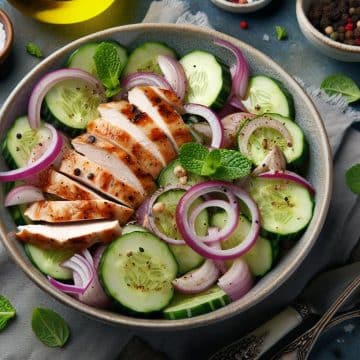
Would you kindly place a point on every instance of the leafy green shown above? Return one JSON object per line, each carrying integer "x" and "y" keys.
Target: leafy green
{"x": 221, "y": 164}
{"x": 34, "y": 50}
{"x": 353, "y": 178}
{"x": 281, "y": 32}
{"x": 49, "y": 327}
{"x": 108, "y": 67}
{"x": 341, "y": 84}
{"x": 7, "y": 312}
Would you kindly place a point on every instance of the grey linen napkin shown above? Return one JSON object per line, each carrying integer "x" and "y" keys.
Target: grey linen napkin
{"x": 94, "y": 340}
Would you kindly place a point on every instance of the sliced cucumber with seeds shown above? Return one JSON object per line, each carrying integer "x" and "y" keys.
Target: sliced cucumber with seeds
{"x": 168, "y": 177}
{"x": 259, "y": 258}
{"x": 144, "y": 58}
{"x": 267, "y": 95}
{"x": 49, "y": 261}
{"x": 208, "y": 78}
{"x": 18, "y": 214}
{"x": 129, "y": 228}
{"x": 186, "y": 257}
{"x": 83, "y": 57}
{"x": 136, "y": 270}
{"x": 186, "y": 306}
{"x": 264, "y": 139}
{"x": 286, "y": 207}
{"x": 70, "y": 105}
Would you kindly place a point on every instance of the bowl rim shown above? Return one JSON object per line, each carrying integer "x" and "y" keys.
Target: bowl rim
{"x": 233, "y": 308}
{"x": 303, "y": 19}
{"x": 237, "y": 5}
{"x": 9, "y": 30}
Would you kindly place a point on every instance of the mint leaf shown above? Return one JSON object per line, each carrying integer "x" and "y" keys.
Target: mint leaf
{"x": 34, "y": 50}
{"x": 281, "y": 32}
{"x": 49, "y": 327}
{"x": 108, "y": 67}
{"x": 7, "y": 312}
{"x": 192, "y": 157}
{"x": 212, "y": 162}
{"x": 353, "y": 179}
{"x": 341, "y": 84}
{"x": 233, "y": 166}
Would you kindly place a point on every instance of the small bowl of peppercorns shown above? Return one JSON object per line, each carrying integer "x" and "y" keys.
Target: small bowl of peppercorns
{"x": 333, "y": 26}
{"x": 241, "y": 6}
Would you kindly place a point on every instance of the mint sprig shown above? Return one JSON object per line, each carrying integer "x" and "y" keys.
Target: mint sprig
{"x": 353, "y": 178}
{"x": 220, "y": 164}
{"x": 281, "y": 33}
{"x": 108, "y": 67}
{"x": 7, "y": 312}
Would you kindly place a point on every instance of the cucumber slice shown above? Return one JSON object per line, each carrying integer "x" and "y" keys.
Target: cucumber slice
{"x": 186, "y": 257}
{"x": 264, "y": 139}
{"x": 49, "y": 261}
{"x": 209, "y": 79}
{"x": 70, "y": 105}
{"x": 129, "y": 228}
{"x": 18, "y": 214}
{"x": 136, "y": 270}
{"x": 259, "y": 258}
{"x": 186, "y": 306}
{"x": 144, "y": 58}
{"x": 83, "y": 57}
{"x": 286, "y": 208}
{"x": 267, "y": 95}
{"x": 20, "y": 141}
{"x": 167, "y": 176}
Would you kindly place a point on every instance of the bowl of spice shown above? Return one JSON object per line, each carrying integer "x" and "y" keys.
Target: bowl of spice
{"x": 6, "y": 36}
{"x": 241, "y": 6}
{"x": 332, "y": 26}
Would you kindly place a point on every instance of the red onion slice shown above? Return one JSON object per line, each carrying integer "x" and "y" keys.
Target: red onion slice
{"x": 51, "y": 79}
{"x": 144, "y": 78}
{"x": 23, "y": 194}
{"x": 174, "y": 74}
{"x": 289, "y": 175}
{"x": 142, "y": 213}
{"x": 197, "y": 280}
{"x": 211, "y": 118}
{"x": 219, "y": 263}
{"x": 237, "y": 281}
{"x": 43, "y": 162}
{"x": 240, "y": 71}
{"x": 235, "y": 102}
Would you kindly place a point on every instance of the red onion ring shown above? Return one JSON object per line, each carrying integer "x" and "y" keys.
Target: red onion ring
{"x": 174, "y": 74}
{"x": 240, "y": 71}
{"x": 219, "y": 263}
{"x": 43, "y": 162}
{"x": 48, "y": 81}
{"x": 144, "y": 78}
{"x": 23, "y": 194}
{"x": 213, "y": 120}
{"x": 235, "y": 102}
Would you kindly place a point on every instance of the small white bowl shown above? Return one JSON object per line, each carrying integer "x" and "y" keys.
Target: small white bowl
{"x": 329, "y": 47}
{"x": 241, "y": 8}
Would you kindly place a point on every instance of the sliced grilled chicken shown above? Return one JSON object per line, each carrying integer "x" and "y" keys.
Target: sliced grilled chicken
{"x": 171, "y": 98}
{"x": 79, "y": 210}
{"x": 91, "y": 174}
{"x": 65, "y": 188}
{"x": 69, "y": 236}
{"x": 141, "y": 126}
{"x": 146, "y": 99}
{"x": 114, "y": 132}
{"x": 120, "y": 163}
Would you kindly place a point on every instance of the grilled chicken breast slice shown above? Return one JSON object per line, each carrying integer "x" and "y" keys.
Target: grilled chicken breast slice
{"x": 69, "y": 236}
{"x": 79, "y": 210}
{"x": 141, "y": 126}
{"x": 171, "y": 98}
{"x": 146, "y": 99}
{"x": 91, "y": 174}
{"x": 114, "y": 132}
{"x": 121, "y": 164}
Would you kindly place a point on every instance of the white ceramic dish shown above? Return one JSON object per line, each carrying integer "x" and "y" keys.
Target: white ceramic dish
{"x": 240, "y": 8}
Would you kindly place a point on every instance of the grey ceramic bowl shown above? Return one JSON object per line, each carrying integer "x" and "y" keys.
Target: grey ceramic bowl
{"x": 184, "y": 39}
{"x": 329, "y": 47}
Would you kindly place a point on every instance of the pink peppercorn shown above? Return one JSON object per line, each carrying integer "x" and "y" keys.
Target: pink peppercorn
{"x": 349, "y": 27}
{"x": 244, "y": 24}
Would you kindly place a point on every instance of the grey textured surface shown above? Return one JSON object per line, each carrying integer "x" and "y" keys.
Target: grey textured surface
{"x": 93, "y": 340}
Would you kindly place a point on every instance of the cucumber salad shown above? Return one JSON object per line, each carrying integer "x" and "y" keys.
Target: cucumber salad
{"x": 155, "y": 184}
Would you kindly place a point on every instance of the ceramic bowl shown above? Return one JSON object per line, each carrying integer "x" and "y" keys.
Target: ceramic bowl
{"x": 185, "y": 38}
{"x": 4, "y": 19}
{"x": 240, "y": 8}
{"x": 329, "y": 47}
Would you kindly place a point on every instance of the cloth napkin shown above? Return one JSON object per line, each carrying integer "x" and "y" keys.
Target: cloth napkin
{"x": 94, "y": 340}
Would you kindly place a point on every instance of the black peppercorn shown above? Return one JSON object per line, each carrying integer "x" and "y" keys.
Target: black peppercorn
{"x": 77, "y": 172}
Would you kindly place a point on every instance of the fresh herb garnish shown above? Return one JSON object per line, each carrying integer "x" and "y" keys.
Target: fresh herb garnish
{"x": 7, "y": 312}
{"x": 34, "y": 50}
{"x": 353, "y": 178}
{"x": 108, "y": 67}
{"x": 49, "y": 327}
{"x": 341, "y": 84}
{"x": 221, "y": 164}
{"x": 281, "y": 32}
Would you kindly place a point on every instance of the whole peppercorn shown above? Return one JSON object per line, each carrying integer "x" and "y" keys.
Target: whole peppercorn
{"x": 334, "y": 36}
{"x": 352, "y": 11}
{"x": 349, "y": 27}
{"x": 329, "y": 30}
{"x": 357, "y": 33}
{"x": 341, "y": 37}
{"x": 349, "y": 35}
{"x": 341, "y": 29}
{"x": 358, "y": 24}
